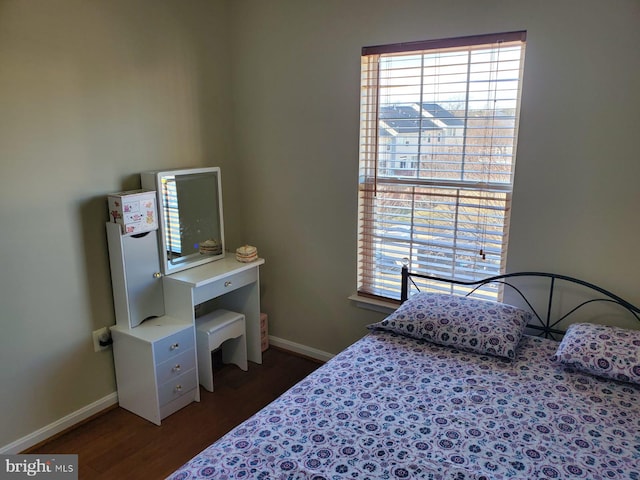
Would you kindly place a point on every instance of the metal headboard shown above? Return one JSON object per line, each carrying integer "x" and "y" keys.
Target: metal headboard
{"x": 547, "y": 327}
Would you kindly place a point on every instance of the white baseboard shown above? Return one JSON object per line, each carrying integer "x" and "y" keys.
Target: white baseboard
{"x": 59, "y": 425}
{"x": 112, "y": 399}
{"x": 301, "y": 349}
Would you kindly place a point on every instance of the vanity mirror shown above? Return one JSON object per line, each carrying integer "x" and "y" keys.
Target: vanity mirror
{"x": 190, "y": 212}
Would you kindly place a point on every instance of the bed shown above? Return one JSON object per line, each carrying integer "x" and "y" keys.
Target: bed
{"x": 424, "y": 395}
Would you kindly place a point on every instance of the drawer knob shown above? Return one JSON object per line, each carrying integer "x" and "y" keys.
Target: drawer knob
{"x": 175, "y": 346}
{"x": 178, "y": 388}
{"x": 227, "y": 283}
{"x": 157, "y": 275}
{"x": 176, "y": 368}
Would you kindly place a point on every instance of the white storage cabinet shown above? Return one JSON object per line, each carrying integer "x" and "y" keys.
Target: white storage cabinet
{"x": 156, "y": 368}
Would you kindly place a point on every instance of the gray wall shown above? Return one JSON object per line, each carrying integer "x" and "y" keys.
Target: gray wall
{"x": 296, "y": 94}
{"x": 91, "y": 93}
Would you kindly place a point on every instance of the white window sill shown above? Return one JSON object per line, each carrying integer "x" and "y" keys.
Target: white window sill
{"x": 373, "y": 304}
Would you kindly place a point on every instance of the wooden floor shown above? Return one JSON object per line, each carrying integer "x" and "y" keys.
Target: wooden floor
{"x": 121, "y": 445}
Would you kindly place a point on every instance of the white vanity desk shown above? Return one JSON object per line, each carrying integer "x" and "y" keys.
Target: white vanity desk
{"x": 154, "y": 339}
{"x": 156, "y": 368}
{"x": 233, "y": 285}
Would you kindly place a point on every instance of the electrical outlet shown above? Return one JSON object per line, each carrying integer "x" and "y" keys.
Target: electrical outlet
{"x": 101, "y": 335}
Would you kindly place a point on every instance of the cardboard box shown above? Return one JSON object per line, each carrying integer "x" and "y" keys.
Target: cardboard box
{"x": 134, "y": 210}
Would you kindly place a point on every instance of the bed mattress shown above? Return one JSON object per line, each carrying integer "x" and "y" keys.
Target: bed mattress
{"x": 392, "y": 407}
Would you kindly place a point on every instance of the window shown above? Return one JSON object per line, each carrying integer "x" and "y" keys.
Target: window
{"x": 452, "y": 106}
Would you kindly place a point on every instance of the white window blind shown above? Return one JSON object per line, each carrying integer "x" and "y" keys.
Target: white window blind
{"x": 438, "y": 130}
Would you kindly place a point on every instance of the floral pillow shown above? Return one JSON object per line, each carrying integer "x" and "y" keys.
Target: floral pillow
{"x": 466, "y": 323}
{"x": 602, "y": 350}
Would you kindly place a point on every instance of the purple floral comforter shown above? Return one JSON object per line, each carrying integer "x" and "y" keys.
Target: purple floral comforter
{"x": 391, "y": 407}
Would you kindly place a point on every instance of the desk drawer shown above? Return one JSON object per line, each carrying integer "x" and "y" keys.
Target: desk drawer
{"x": 177, "y": 387}
{"x": 180, "y": 402}
{"x": 176, "y": 366}
{"x": 173, "y": 345}
{"x": 224, "y": 285}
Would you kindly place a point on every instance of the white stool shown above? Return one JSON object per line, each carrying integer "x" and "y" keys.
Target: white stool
{"x": 212, "y": 330}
